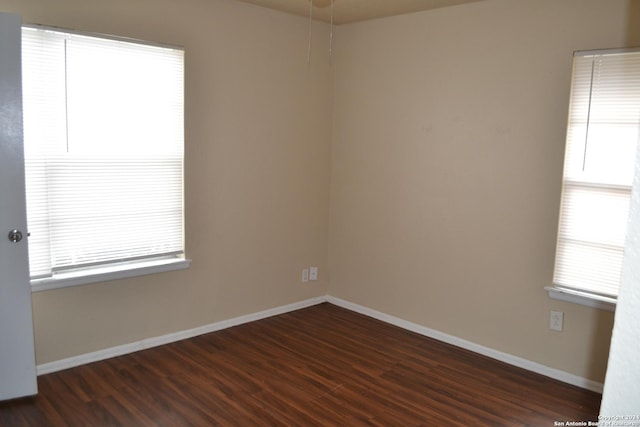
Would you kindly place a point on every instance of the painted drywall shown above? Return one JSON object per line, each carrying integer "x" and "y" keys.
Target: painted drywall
{"x": 447, "y": 155}
{"x": 621, "y": 397}
{"x": 257, "y": 152}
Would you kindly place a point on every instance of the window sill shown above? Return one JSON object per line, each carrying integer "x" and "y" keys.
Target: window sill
{"x": 103, "y": 274}
{"x": 582, "y": 298}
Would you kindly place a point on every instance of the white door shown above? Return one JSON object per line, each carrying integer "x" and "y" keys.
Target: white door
{"x": 17, "y": 356}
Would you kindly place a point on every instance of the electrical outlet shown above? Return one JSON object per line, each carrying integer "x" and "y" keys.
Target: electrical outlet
{"x": 556, "y": 319}
{"x": 305, "y": 275}
{"x": 313, "y": 273}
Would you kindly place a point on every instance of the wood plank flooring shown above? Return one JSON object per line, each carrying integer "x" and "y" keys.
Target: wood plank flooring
{"x": 320, "y": 366}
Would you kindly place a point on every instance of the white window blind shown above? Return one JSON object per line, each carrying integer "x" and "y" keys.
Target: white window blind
{"x": 602, "y": 134}
{"x": 103, "y": 123}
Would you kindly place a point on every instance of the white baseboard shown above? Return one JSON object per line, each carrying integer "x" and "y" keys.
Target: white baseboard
{"x": 468, "y": 345}
{"x": 144, "y": 344}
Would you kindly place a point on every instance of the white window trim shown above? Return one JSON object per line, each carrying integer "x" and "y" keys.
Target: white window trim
{"x": 113, "y": 271}
{"x": 582, "y": 298}
{"x": 106, "y": 273}
{"x": 569, "y": 294}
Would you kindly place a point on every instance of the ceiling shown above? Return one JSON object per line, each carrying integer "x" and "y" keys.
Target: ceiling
{"x": 346, "y": 11}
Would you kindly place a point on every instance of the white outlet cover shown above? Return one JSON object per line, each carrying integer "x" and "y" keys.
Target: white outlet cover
{"x": 556, "y": 319}
{"x": 313, "y": 273}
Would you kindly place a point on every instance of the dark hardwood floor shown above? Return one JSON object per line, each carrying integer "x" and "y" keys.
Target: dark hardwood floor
{"x": 318, "y": 366}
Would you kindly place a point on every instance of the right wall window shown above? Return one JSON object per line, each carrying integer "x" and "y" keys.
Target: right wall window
{"x": 602, "y": 135}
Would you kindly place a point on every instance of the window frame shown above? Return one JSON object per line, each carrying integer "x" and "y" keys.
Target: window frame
{"x": 575, "y": 294}
{"x": 114, "y": 270}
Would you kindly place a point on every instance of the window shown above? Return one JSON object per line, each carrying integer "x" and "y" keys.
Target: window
{"x": 103, "y": 126}
{"x": 602, "y": 135}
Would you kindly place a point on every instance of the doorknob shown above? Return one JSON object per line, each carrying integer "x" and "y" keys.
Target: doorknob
{"x": 15, "y": 236}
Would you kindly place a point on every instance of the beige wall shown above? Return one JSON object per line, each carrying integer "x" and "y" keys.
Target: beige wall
{"x": 446, "y": 167}
{"x": 258, "y": 131}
